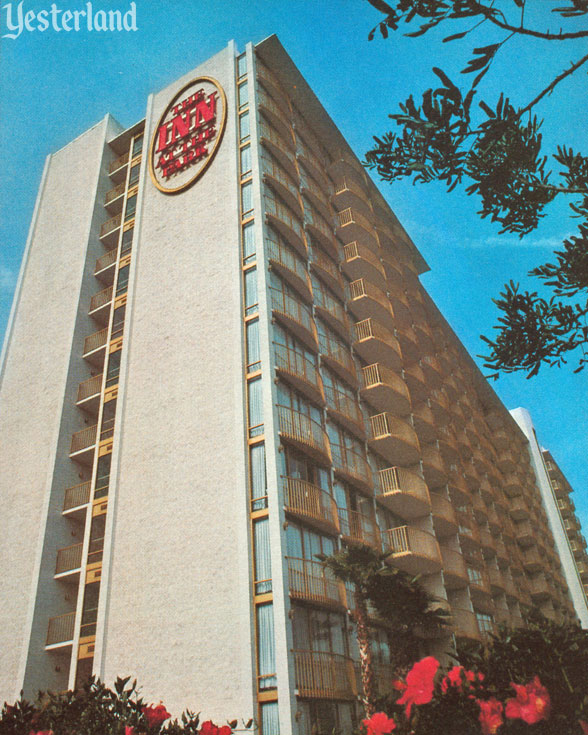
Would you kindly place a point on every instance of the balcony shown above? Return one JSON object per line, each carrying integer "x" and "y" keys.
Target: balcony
{"x": 465, "y": 624}
{"x": 439, "y": 404}
{"x": 374, "y": 343}
{"x": 322, "y": 675}
{"x": 95, "y": 347}
{"x": 433, "y": 466}
{"x": 413, "y": 550}
{"x": 409, "y": 344}
{"x": 106, "y": 266}
{"x": 76, "y": 496}
{"x": 401, "y": 306}
{"x": 455, "y": 573}
{"x": 275, "y": 176}
{"x": 295, "y": 316}
{"x": 88, "y": 397}
{"x": 424, "y": 423}
{"x": 384, "y": 390}
{"x": 113, "y": 200}
{"x": 444, "y": 519}
{"x": 274, "y": 114}
{"x": 331, "y": 311}
{"x": 345, "y": 409}
{"x": 300, "y": 372}
{"x": 403, "y": 492}
{"x": 289, "y": 267}
{"x": 447, "y": 445}
{"x": 304, "y": 433}
{"x": 512, "y": 486}
{"x": 60, "y": 631}
{"x": 358, "y": 528}
{"x": 311, "y": 504}
{"x": 311, "y": 581}
{"x": 312, "y": 162}
{"x": 109, "y": 231}
{"x": 320, "y": 230}
{"x": 83, "y": 443}
{"x": 353, "y": 226}
{"x": 496, "y": 578}
{"x": 337, "y": 355}
{"x": 100, "y": 305}
{"x": 506, "y": 462}
{"x": 280, "y": 147}
{"x": 366, "y": 300}
{"x": 315, "y": 194}
{"x": 394, "y": 439}
{"x": 118, "y": 168}
{"x": 525, "y": 534}
{"x": 540, "y": 588}
{"x": 328, "y": 271}
{"x": 432, "y": 370}
{"x": 350, "y": 194}
{"x": 285, "y": 221}
{"x": 518, "y": 509}
{"x": 69, "y": 562}
{"x": 392, "y": 267}
{"x": 353, "y": 467}
{"x": 467, "y": 530}
{"x": 361, "y": 262}
{"x": 346, "y": 164}
{"x": 487, "y": 542}
{"x": 479, "y": 586}
{"x": 269, "y": 81}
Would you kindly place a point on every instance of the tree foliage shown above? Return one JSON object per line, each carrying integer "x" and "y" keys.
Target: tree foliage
{"x": 495, "y": 149}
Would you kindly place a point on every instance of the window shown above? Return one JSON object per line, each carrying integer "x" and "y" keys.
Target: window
{"x": 266, "y": 654}
{"x": 90, "y": 609}
{"x": 108, "y": 414}
{"x": 242, "y": 66}
{"x": 102, "y": 476}
{"x": 127, "y": 241}
{"x": 246, "y": 199}
{"x": 270, "y": 721}
{"x": 252, "y": 340}
{"x": 244, "y": 127}
{"x": 248, "y": 242}
{"x": 122, "y": 283}
{"x": 245, "y": 161}
{"x": 131, "y": 207}
{"x": 258, "y": 477}
{"x": 134, "y": 175}
{"x": 263, "y": 564}
{"x": 137, "y": 146}
{"x": 255, "y": 402}
{"x": 112, "y": 374}
{"x": 118, "y": 321}
{"x": 243, "y": 95}
{"x": 302, "y": 543}
{"x": 250, "y": 291}
{"x": 96, "y": 546}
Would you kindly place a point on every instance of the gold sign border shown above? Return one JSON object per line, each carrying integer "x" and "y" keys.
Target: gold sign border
{"x": 212, "y": 153}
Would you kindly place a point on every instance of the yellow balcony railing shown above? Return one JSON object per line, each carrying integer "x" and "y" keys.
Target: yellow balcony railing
{"x": 311, "y": 581}
{"x": 323, "y": 675}
{"x": 68, "y": 558}
{"x": 303, "y": 430}
{"x": 83, "y": 439}
{"x": 303, "y": 499}
{"x": 61, "y": 629}
{"x": 77, "y": 495}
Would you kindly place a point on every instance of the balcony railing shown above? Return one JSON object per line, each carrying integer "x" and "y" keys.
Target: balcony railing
{"x": 455, "y": 572}
{"x": 110, "y": 225}
{"x": 394, "y": 438}
{"x": 339, "y": 353}
{"x": 61, "y": 629}
{"x": 118, "y": 162}
{"x": 465, "y": 624}
{"x": 95, "y": 341}
{"x": 115, "y": 192}
{"x": 275, "y": 171}
{"x": 328, "y": 267}
{"x": 359, "y": 528}
{"x": 352, "y": 219}
{"x": 290, "y": 307}
{"x": 77, "y": 495}
{"x": 346, "y": 406}
{"x": 68, "y": 559}
{"x": 83, "y": 439}
{"x": 105, "y": 260}
{"x": 362, "y": 290}
{"x": 384, "y": 389}
{"x": 404, "y": 492}
{"x": 303, "y": 499}
{"x": 304, "y": 431}
{"x": 101, "y": 298}
{"x": 299, "y": 366}
{"x": 323, "y": 675}
{"x": 90, "y": 387}
{"x": 352, "y": 464}
{"x": 374, "y": 342}
{"x": 413, "y": 550}
{"x": 283, "y": 215}
{"x": 311, "y": 581}
{"x": 282, "y": 255}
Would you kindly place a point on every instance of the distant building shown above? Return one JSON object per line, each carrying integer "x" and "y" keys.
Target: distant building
{"x": 221, "y": 362}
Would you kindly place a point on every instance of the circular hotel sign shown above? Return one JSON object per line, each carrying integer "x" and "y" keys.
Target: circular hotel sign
{"x": 188, "y": 135}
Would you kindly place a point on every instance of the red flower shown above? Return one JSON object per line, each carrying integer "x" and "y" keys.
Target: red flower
{"x": 379, "y": 724}
{"x": 452, "y": 679}
{"x": 419, "y": 683}
{"x": 532, "y": 703}
{"x": 129, "y": 730}
{"x": 209, "y": 728}
{"x": 41, "y": 732}
{"x": 584, "y": 726}
{"x": 155, "y": 715}
{"x": 490, "y": 715}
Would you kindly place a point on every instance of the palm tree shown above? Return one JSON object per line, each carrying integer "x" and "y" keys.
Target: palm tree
{"x": 396, "y": 597}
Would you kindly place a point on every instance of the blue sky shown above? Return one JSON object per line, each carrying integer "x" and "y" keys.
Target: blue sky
{"x": 53, "y": 86}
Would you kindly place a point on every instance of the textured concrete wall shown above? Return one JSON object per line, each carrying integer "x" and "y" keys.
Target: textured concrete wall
{"x": 177, "y": 614}
{"x": 41, "y": 368}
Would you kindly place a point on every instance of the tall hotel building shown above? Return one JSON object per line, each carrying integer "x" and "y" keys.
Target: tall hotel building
{"x": 220, "y": 363}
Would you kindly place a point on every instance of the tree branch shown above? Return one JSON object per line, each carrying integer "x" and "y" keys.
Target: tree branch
{"x": 550, "y": 87}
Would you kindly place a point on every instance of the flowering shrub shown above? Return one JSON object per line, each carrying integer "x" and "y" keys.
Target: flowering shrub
{"x": 462, "y": 703}
{"x": 97, "y": 710}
